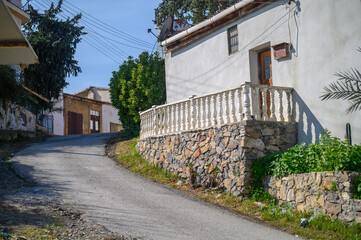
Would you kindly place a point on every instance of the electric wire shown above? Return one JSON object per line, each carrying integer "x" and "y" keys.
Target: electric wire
{"x": 109, "y": 30}
{"x": 87, "y": 23}
{"x": 105, "y": 51}
{"x": 96, "y": 38}
{"x": 103, "y": 25}
{"x": 86, "y": 41}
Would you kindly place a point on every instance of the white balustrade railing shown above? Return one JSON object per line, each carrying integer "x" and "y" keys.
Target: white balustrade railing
{"x": 246, "y": 102}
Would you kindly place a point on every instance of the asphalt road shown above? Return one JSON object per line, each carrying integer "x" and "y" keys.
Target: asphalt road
{"x": 76, "y": 168}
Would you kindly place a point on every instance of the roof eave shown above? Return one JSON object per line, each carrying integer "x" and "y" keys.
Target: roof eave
{"x": 189, "y": 35}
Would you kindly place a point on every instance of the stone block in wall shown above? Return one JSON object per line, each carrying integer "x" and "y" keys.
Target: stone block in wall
{"x": 317, "y": 192}
{"x": 222, "y": 155}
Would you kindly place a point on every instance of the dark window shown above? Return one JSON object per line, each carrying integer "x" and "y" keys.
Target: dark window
{"x": 232, "y": 39}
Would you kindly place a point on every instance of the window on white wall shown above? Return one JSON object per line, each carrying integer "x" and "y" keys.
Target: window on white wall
{"x": 232, "y": 39}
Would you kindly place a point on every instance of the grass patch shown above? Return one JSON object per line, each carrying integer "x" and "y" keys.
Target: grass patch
{"x": 268, "y": 212}
{"x": 54, "y": 231}
{"x": 132, "y": 160}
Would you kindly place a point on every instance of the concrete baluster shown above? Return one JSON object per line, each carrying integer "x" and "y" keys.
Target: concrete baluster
{"x": 154, "y": 132}
{"x": 220, "y": 109}
{"x": 192, "y": 113}
{"x": 204, "y": 113}
{"x": 198, "y": 113}
{"x": 257, "y": 98}
{"x": 165, "y": 119}
{"x": 264, "y": 103}
{"x": 233, "y": 107}
{"x": 240, "y": 104}
{"x": 289, "y": 111}
{"x": 247, "y": 105}
{"x": 171, "y": 119}
{"x": 280, "y": 109}
{"x": 208, "y": 106}
{"x": 226, "y": 102}
{"x": 273, "y": 115}
{"x": 186, "y": 114}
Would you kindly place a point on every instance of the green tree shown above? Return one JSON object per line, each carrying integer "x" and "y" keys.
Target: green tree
{"x": 194, "y": 11}
{"x": 10, "y": 88}
{"x": 54, "y": 41}
{"x": 348, "y": 87}
{"x": 136, "y": 86}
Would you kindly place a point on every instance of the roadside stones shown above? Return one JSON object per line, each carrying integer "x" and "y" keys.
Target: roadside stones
{"x": 323, "y": 192}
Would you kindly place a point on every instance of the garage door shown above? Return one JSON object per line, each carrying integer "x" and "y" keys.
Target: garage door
{"x": 75, "y": 123}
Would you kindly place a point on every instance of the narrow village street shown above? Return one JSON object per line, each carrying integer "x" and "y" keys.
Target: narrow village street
{"x": 76, "y": 169}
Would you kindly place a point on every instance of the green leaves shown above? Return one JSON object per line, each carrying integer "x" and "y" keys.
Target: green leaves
{"x": 194, "y": 11}
{"x": 137, "y": 86}
{"x": 10, "y": 87}
{"x": 329, "y": 154}
{"x": 348, "y": 87}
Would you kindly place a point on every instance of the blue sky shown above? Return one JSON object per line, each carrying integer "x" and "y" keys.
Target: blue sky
{"x": 133, "y": 17}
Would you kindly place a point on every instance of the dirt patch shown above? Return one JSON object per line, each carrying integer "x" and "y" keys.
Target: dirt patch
{"x": 118, "y": 143}
{"x": 29, "y": 211}
{"x": 8, "y": 149}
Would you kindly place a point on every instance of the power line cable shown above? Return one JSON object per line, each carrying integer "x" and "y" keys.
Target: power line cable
{"x": 102, "y": 52}
{"x": 107, "y": 52}
{"x": 108, "y": 26}
{"x": 111, "y": 47}
{"x": 87, "y": 23}
{"x": 105, "y": 27}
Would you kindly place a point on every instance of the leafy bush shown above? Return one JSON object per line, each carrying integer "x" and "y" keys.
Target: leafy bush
{"x": 330, "y": 154}
{"x": 10, "y": 87}
{"x": 357, "y": 188}
{"x": 137, "y": 86}
{"x": 260, "y": 169}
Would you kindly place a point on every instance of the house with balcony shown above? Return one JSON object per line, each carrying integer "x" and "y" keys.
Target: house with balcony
{"x": 247, "y": 82}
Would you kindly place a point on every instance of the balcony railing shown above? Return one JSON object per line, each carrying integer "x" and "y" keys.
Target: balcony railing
{"x": 245, "y": 102}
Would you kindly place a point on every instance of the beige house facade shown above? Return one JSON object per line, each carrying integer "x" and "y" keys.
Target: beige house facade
{"x": 85, "y": 112}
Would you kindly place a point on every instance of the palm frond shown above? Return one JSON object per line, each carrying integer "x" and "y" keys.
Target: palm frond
{"x": 348, "y": 87}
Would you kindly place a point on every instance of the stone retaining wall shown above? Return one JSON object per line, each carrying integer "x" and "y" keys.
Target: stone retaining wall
{"x": 325, "y": 192}
{"x": 219, "y": 156}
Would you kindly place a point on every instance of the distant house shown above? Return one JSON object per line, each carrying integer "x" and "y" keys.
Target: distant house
{"x": 88, "y": 111}
{"x": 260, "y": 57}
{"x": 16, "y": 51}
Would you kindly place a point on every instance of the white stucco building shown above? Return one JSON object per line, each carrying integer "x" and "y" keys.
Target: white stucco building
{"x": 249, "y": 41}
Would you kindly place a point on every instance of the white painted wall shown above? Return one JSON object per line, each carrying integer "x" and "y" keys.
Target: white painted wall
{"x": 16, "y": 117}
{"x": 325, "y": 35}
{"x": 109, "y": 114}
{"x": 102, "y": 94}
{"x": 58, "y": 116}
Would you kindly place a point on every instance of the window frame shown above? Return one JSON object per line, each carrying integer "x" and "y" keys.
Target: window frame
{"x": 232, "y": 47}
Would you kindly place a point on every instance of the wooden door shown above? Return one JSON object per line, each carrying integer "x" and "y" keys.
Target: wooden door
{"x": 265, "y": 76}
{"x": 75, "y": 123}
{"x": 265, "y": 67}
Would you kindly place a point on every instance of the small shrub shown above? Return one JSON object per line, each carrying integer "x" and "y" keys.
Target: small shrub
{"x": 357, "y": 188}
{"x": 260, "y": 169}
{"x": 21, "y": 137}
{"x": 330, "y": 154}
